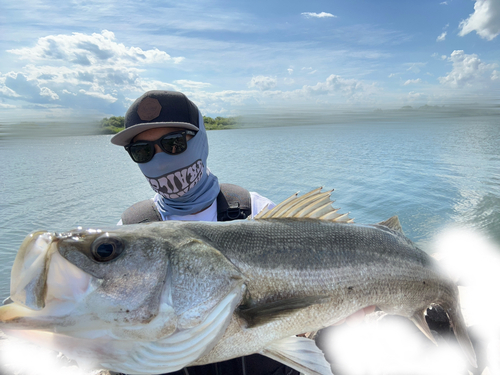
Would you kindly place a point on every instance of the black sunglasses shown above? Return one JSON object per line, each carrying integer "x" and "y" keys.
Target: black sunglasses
{"x": 172, "y": 143}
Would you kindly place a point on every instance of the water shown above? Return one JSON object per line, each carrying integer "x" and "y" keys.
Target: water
{"x": 431, "y": 173}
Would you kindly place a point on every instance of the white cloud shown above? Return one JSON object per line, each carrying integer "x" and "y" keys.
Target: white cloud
{"x": 192, "y": 84}
{"x": 290, "y": 71}
{"x": 44, "y": 91}
{"x": 85, "y": 70}
{"x": 468, "y": 70}
{"x": 441, "y": 37}
{"x": 414, "y": 67}
{"x": 5, "y": 91}
{"x": 413, "y": 96}
{"x": 17, "y": 85}
{"x": 310, "y": 70}
{"x": 86, "y": 50}
{"x": 485, "y": 20}
{"x": 151, "y": 84}
{"x": 334, "y": 84}
{"x": 99, "y": 95}
{"x": 495, "y": 75}
{"x": 318, "y": 15}
{"x": 83, "y": 61}
{"x": 439, "y": 57}
{"x": 263, "y": 83}
{"x": 412, "y": 81}
{"x": 333, "y": 89}
{"x": 68, "y": 92}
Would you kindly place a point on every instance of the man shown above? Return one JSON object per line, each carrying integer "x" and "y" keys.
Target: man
{"x": 165, "y": 135}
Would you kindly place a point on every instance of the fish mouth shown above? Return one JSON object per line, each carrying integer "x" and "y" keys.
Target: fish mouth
{"x": 43, "y": 282}
{"x": 29, "y": 272}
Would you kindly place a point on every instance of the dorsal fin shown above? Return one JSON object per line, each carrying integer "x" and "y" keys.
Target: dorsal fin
{"x": 392, "y": 223}
{"x": 312, "y": 205}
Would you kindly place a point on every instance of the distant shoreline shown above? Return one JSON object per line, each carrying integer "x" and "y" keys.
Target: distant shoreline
{"x": 270, "y": 118}
{"x": 115, "y": 124}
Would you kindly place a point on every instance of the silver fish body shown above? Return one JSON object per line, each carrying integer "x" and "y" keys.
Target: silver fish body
{"x": 153, "y": 298}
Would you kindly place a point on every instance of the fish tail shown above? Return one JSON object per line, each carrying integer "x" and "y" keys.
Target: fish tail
{"x": 458, "y": 324}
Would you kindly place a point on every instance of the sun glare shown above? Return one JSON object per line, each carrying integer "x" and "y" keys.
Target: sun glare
{"x": 17, "y": 357}
{"x": 395, "y": 346}
{"x": 474, "y": 261}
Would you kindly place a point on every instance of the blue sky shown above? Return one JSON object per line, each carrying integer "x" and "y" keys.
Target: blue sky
{"x": 67, "y": 59}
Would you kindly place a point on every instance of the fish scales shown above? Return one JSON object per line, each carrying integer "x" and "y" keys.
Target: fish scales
{"x": 336, "y": 252}
{"x": 153, "y": 298}
{"x": 348, "y": 267}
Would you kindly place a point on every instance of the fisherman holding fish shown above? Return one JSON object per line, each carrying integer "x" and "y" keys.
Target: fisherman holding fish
{"x": 159, "y": 297}
{"x": 165, "y": 135}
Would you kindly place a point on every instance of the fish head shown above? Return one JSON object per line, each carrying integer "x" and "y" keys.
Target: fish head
{"x": 62, "y": 275}
{"x": 98, "y": 295}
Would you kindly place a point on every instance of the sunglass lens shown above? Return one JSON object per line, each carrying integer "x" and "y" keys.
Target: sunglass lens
{"x": 142, "y": 152}
{"x": 174, "y": 143}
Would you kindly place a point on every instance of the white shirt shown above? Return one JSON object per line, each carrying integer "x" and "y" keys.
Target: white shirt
{"x": 210, "y": 214}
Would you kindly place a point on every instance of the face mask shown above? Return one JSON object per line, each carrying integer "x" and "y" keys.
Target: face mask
{"x": 183, "y": 183}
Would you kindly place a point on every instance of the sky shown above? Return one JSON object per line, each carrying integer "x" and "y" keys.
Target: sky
{"x": 86, "y": 58}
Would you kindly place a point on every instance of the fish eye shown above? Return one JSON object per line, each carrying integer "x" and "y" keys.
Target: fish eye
{"x": 106, "y": 248}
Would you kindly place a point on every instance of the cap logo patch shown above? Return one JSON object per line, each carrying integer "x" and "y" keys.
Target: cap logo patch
{"x": 149, "y": 109}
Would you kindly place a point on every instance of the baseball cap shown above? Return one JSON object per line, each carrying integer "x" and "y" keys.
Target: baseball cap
{"x": 158, "y": 109}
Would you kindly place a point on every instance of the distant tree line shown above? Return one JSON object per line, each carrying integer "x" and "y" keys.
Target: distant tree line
{"x": 114, "y": 124}
{"x": 219, "y": 123}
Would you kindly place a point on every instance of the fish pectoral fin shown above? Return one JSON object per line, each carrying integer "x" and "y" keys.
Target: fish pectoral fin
{"x": 263, "y": 313}
{"x": 299, "y": 353}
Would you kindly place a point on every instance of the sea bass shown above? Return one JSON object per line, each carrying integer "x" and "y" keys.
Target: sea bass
{"x": 154, "y": 298}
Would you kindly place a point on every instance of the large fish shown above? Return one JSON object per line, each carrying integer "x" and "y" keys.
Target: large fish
{"x": 154, "y": 298}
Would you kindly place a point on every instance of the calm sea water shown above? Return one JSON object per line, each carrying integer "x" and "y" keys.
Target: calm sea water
{"x": 431, "y": 173}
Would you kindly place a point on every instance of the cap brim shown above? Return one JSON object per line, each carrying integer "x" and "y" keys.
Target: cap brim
{"x": 124, "y": 137}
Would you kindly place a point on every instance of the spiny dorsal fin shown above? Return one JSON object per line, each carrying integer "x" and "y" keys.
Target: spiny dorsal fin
{"x": 313, "y": 205}
{"x": 392, "y": 223}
